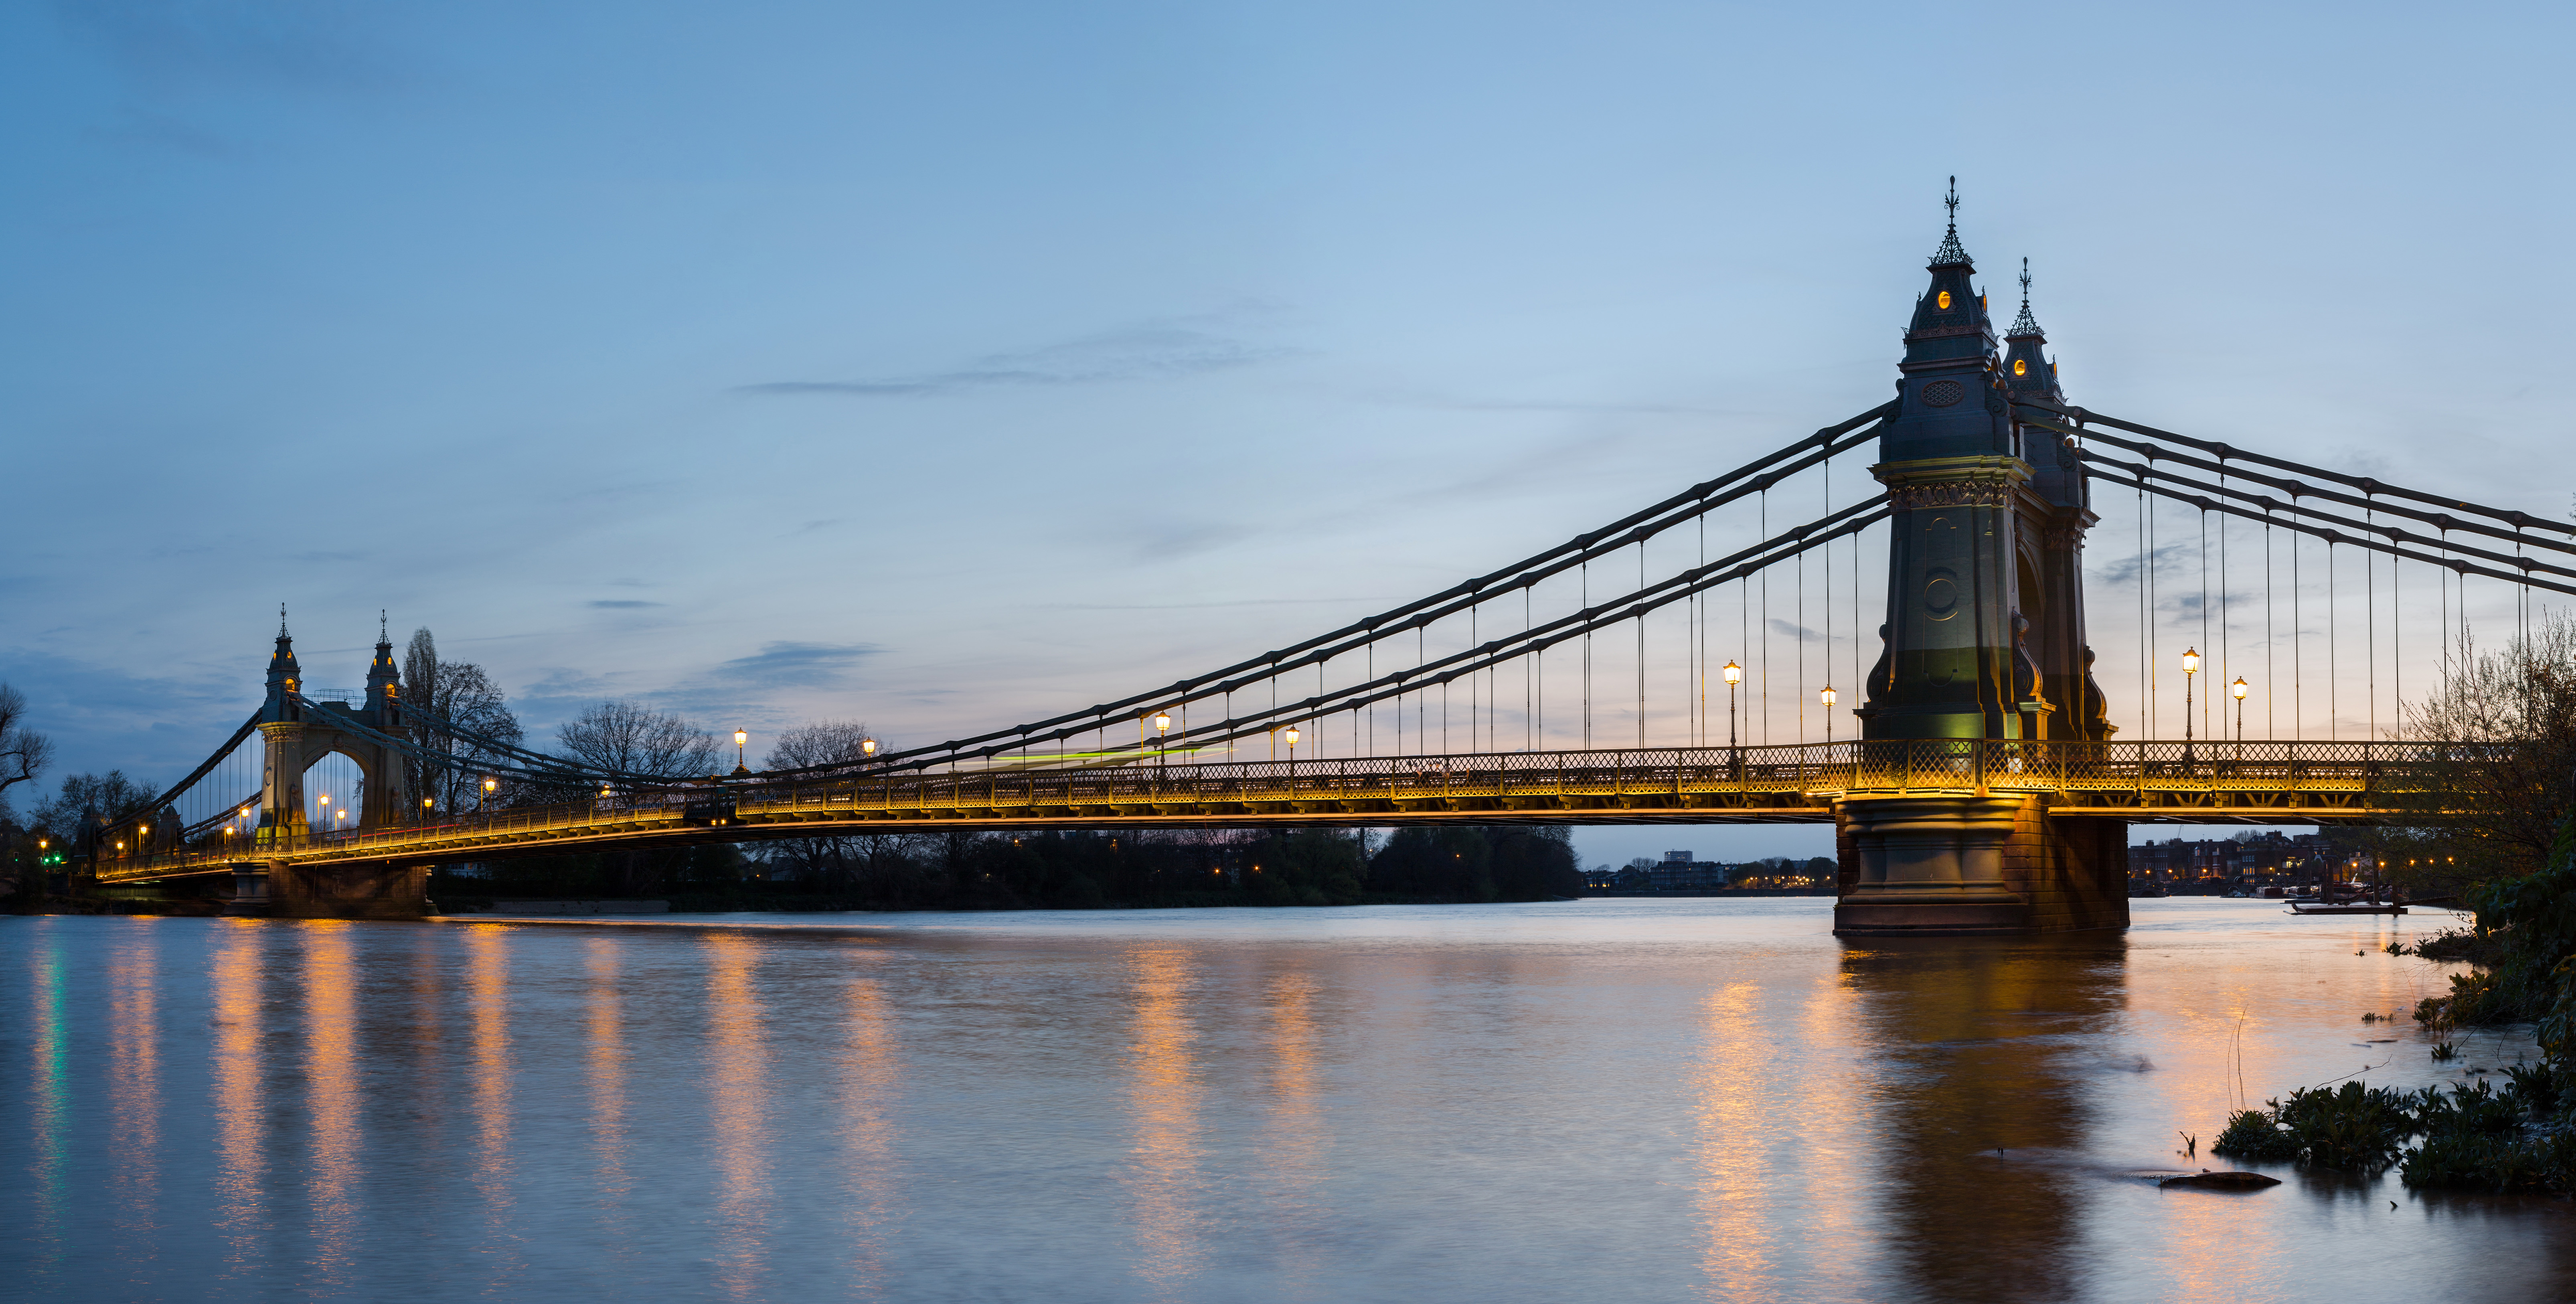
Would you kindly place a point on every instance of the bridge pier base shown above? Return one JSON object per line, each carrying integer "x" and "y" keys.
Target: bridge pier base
{"x": 1958, "y": 865}
{"x": 346, "y": 891}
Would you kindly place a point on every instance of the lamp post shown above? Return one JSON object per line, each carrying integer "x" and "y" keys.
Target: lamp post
{"x": 1734, "y": 675}
{"x": 2190, "y": 667}
{"x": 2238, "y": 690}
{"x": 1162, "y": 726}
{"x": 1291, "y": 735}
{"x": 741, "y": 738}
{"x": 489, "y": 785}
{"x": 1826, "y": 695}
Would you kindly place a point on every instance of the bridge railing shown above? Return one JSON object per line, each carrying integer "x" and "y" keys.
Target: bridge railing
{"x": 1808, "y": 776}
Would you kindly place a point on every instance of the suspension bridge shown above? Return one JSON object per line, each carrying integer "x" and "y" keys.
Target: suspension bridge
{"x": 1986, "y": 789}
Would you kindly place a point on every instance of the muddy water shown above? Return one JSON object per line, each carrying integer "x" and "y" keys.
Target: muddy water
{"x": 1604, "y": 1100}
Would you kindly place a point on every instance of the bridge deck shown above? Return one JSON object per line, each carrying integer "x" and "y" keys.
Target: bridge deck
{"x": 2253, "y": 783}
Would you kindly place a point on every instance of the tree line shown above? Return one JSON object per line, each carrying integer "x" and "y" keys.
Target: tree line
{"x": 1058, "y": 869}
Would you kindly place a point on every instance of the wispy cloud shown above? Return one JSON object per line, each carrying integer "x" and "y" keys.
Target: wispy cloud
{"x": 622, "y": 604}
{"x": 1164, "y": 350}
{"x": 307, "y": 44}
{"x": 1788, "y": 629}
{"x": 2127, "y": 569}
{"x": 795, "y": 665}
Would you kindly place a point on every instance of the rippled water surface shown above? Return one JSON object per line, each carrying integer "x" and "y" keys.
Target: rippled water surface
{"x": 1603, "y": 1100}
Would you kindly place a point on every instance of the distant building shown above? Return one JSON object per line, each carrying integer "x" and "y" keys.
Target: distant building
{"x": 1677, "y": 872}
{"x": 2267, "y": 859}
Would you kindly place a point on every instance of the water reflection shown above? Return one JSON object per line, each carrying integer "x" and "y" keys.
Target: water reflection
{"x": 1162, "y": 1176}
{"x": 1658, "y": 1102}
{"x": 134, "y": 1091}
{"x": 240, "y": 1211}
{"x": 1733, "y": 1113}
{"x": 868, "y": 1083}
{"x": 1834, "y": 1146}
{"x": 607, "y": 1062}
{"x": 737, "y": 1071}
{"x": 49, "y": 1095}
{"x": 487, "y": 990}
{"x": 1981, "y": 1106}
{"x": 331, "y": 1085}
{"x": 1295, "y": 1146}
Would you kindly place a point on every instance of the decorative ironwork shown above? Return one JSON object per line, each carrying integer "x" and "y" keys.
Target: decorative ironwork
{"x": 2024, "y": 326}
{"x": 2325, "y": 781}
{"x": 1950, "y": 254}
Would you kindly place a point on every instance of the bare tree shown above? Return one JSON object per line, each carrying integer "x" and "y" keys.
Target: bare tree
{"x": 822, "y": 742}
{"x": 2492, "y": 806}
{"x": 88, "y": 801}
{"x": 24, "y": 753}
{"x": 835, "y": 862}
{"x": 461, "y": 694}
{"x": 629, "y": 737}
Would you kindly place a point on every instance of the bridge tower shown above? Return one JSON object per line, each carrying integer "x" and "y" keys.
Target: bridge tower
{"x": 1984, "y": 641}
{"x": 296, "y": 731}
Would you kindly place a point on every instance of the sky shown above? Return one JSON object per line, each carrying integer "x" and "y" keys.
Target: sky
{"x": 942, "y": 366}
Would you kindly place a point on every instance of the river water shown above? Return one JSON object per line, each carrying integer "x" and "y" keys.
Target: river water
{"x": 1600, "y": 1100}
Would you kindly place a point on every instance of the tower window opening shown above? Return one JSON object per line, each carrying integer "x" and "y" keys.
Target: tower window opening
{"x": 1945, "y": 299}
{"x": 2021, "y": 367}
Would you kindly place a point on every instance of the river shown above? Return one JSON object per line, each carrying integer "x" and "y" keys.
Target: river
{"x": 1598, "y": 1100}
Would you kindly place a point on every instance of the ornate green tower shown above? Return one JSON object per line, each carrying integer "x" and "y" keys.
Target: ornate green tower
{"x": 1952, "y": 471}
{"x": 1983, "y": 646}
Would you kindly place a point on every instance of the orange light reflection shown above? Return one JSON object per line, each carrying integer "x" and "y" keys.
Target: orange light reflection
{"x": 1163, "y": 1180}
{"x": 331, "y": 1084}
{"x": 1733, "y": 1188}
{"x": 240, "y": 1201}
{"x": 739, "y": 1072}
{"x": 867, "y": 1133}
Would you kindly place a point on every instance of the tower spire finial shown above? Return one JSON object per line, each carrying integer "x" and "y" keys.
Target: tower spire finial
{"x": 2025, "y": 324}
{"x": 1950, "y": 251}
{"x": 382, "y": 636}
{"x": 281, "y": 620}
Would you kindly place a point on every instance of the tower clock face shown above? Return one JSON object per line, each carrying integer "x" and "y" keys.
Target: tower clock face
{"x": 1945, "y": 299}
{"x": 2021, "y": 367}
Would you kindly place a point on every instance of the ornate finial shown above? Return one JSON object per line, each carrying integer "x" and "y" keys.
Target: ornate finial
{"x": 2025, "y": 324}
{"x": 281, "y": 620}
{"x": 383, "y": 637}
{"x": 1950, "y": 252}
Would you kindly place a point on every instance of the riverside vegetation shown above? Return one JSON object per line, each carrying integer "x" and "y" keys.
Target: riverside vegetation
{"x": 2504, "y": 839}
{"x": 2522, "y": 952}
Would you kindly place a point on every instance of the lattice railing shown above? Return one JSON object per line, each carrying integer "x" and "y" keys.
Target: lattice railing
{"x": 1779, "y": 778}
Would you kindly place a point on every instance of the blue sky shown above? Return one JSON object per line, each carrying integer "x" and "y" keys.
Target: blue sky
{"x": 946, "y": 365}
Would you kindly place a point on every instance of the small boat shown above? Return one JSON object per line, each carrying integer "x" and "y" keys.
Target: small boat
{"x": 2346, "y": 908}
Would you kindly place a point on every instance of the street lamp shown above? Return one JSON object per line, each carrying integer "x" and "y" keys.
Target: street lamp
{"x": 1734, "y": 675}
{"x": 1826, "y": 695}
{"x": 489, "y": 786}
{"x": 1291, "y": 735}
{"x": 867, "y": 747}
{"x": 740, "y": 738}
{"x": 2190, "y": 667}
{"x": 1162, "y": 726}
{"x": 2238, "y": 690}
